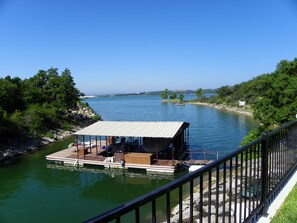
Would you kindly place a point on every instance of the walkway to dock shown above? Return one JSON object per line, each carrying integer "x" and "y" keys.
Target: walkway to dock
{"x": 69, "y": 156}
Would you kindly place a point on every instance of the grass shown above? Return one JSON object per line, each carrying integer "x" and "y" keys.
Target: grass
{"x": 288, "y": 210}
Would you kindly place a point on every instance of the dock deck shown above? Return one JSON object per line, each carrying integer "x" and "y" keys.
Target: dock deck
{"x": 69, "y": 156}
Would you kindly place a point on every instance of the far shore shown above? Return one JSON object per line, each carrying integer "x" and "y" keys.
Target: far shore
{"x": 224, "y": 107}
{"x": 216, "y": 106}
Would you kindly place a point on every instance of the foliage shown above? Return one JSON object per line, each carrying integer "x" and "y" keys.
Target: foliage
{"x": 10, "y": 89}
{"x": 199, "y": 93}
{"x": 278, "y": 104}
{"x": 34, "y": 106}
{"x": 164, "y": 94}
{"x": 173, "y": 96}
{"x": 224, "y": 91}
{"x": 181, "y": 97}
{"x": 252, "y": 136}
{"x": 273, "y": 97}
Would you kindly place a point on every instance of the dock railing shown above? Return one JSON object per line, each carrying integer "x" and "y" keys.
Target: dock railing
{"x": 235, "y": 188}
{"x": 204, "y": 154}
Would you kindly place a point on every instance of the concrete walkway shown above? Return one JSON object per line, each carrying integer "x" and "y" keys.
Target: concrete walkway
{"x": 275, "y": 205}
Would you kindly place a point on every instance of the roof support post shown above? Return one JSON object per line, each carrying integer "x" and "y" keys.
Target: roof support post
{"x": 84, "y": 146}
{"x": 96, "y": 145}
{"x": 77, "y": 146}
{"x": 90, "y": 143}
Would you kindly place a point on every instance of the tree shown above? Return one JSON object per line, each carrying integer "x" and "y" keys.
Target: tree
{"x": 199, "y": 93}
{"x": 252, "y": 136}
{"x": 67, "y": 93}
{"x": 10, "y": 94}
{"x": 224, "y": 91}
{"x": 164, "y": 94}
{"x": 278, "y": 104}
{"x": 38, "y": 104}
{"x": 181, "y": 97}
{"x": 35, "y": 89}
{"x": 173, "y": 96}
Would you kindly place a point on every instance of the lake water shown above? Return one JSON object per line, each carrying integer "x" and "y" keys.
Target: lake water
{"x": 32, "y": 190}
{"x": 210, "y": 129}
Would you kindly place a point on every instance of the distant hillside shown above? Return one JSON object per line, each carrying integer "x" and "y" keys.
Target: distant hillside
{"x": 147, "y": 93}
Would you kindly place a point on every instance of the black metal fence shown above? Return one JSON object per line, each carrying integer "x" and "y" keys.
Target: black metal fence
{"x": 236, "y": 188}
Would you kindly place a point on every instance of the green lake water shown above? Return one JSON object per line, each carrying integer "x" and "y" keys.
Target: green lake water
{"x": 33, "y": 190}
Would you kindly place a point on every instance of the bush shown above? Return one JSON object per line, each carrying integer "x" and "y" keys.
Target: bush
{"x": 252, "y": 136}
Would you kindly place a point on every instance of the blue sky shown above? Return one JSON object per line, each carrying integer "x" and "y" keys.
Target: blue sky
{"x": 145, "y": 45}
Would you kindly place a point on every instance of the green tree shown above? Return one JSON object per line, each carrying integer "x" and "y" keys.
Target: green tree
{"x": 199, "y": 93}
{"x": 36, "y": 105}
{"x": 66, "y": 93}
{"x": 224, "y": 91}
{"x": 278, "y": 104}
{"x": 252, "y": 136}
{"x": 7, "y": 128}
{"x": 181, "y": 97}
{"x": 35, "y": 89}
{"x": 173, "y": 96}
{"x": 10, "y": 94}
{"x": 164, "y": 94}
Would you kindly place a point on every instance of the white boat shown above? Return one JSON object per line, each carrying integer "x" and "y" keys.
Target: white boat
{"x": 195, "y": 167}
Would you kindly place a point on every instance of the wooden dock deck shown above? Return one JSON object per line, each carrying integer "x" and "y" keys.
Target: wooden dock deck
{"x": 69, "y": 157}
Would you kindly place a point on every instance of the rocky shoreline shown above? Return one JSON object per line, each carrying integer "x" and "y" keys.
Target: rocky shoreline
{"x": 224, "y": 107}
{"x": 228, "y": 201}
{"x": 14, "y": 148}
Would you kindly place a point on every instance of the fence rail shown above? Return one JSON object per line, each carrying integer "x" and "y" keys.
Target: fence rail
{"x": 235, "y": 188}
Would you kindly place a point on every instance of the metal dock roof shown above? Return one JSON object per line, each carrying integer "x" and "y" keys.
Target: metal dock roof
{"x": 133, "y": 129}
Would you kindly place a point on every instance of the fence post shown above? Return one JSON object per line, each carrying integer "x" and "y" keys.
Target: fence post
{"x": 264, "y": 170}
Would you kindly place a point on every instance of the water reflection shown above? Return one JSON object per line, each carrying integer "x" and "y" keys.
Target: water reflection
{"x": 103, "y": 183}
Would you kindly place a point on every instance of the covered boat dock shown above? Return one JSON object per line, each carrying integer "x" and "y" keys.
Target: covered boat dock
{"x": 154, "y": 146}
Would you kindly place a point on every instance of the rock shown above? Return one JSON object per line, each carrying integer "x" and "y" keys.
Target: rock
{"x": 5, "y": 154}
{"x": 46, "y": 140}
{"x": 185, "y": 213}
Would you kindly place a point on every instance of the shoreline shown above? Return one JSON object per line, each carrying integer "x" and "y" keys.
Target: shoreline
{"x": 224, "y": 107}
{"x": 15, "y": 148}
{"x": 216, "y": 106}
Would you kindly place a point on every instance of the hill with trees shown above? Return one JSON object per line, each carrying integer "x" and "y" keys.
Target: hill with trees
{"x": 36, "y": 106}
{"x": 272, "y": 96}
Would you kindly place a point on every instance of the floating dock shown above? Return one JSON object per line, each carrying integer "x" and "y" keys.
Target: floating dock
{"x": 69, "y": 157}
{"x": 152, "y": 146}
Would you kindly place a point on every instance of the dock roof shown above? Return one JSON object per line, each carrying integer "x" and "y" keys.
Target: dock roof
{"x": 134, "y": 129}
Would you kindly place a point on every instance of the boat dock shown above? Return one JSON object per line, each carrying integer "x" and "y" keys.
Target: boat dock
{"x": 69, "y": 157}
{"x": 152, "y": 146}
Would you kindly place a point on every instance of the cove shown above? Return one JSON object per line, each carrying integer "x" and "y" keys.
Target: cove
{"x": 32, "y": 190}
